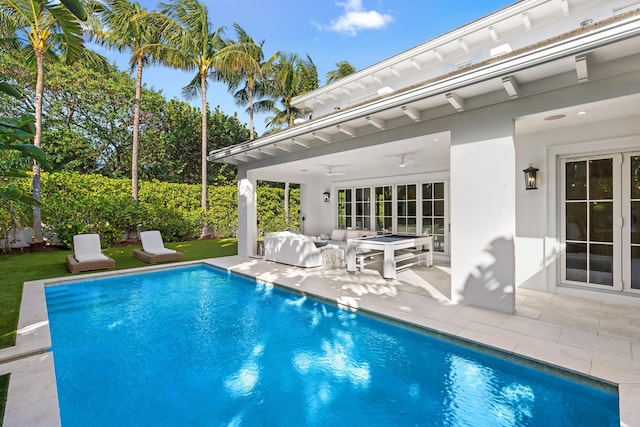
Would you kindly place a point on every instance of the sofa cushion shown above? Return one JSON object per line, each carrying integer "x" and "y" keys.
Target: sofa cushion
{"x": 356, "y": 234}
{"x": 338, "y": 234}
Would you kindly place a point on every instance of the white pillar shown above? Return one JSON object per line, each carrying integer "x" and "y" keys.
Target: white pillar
{"x": 483, "y": 217}
{"x": 247, "y": 216}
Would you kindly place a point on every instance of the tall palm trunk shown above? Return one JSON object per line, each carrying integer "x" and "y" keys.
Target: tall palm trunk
{"x": 286, "y": 205}
{"x": 206, "y": 232}
{"x": 37, "y": 215}
{"x": 250, "y": 98}
{"x": 136, "y": 136}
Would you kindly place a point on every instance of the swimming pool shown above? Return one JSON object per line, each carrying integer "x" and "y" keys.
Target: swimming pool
{"x": 197, "y": 346}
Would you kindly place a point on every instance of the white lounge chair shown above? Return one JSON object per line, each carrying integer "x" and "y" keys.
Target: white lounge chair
{"x": 87, "y": 254}
{"x": 153, "y": 250}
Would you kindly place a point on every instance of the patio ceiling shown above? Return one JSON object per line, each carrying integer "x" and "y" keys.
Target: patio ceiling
{"x": 380, "y": 160}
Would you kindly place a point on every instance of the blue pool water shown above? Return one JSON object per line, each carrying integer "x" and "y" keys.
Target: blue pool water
{"x": 198, "y": 347}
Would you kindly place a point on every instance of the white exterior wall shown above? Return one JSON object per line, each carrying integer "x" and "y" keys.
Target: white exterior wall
{"x": 247, "y": 201}
{"x": 483, "y": 213}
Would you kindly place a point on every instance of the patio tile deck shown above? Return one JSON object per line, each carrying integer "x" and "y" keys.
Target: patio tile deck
{"x": 584, "y": 336}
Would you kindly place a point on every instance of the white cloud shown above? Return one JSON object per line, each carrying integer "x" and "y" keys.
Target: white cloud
{"x": 356, "y": 18}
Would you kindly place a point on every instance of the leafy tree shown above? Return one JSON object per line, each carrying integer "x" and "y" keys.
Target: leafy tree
{"x": 344, "y": 68}
{"x": 89, "y": 119}
{"x": 193, "y": 47}
{"x": 173, "y": 147}
{"x": 42, "y": 28}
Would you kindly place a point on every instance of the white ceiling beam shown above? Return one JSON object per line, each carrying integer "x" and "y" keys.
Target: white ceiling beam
{"x": 463, "y": 45}
{"x": 416, "y": 64}
{"x": 493, "y": 34}
{"x": 395, "y": 72}
{"x": 582, "y": 68}
{"x": 411, "y": 112}
{"x": 267, "y": 151}
{"x": 332, "y": 96}
{"x": 455, "y": 100}
{"x": 282, "y": 147}
{"x": 254, "y": 154}
{"x": 300, "y": 143}
{"x": 565, "y": 7}
{"x": 361, "y": 84}
{"x": 321, "y": 136}
{"x": 438, "y": 55}
{"x": 511, "y": 86}
{"x": 379, "y": 123}
{"x": 319, "y": 101}
{"x": 345, "y": 90}
{"x": 526, "y": 21}
{"x": 241, "y": 158}
{"x": 347, "y": 130}
{"x": 376, "y": 78}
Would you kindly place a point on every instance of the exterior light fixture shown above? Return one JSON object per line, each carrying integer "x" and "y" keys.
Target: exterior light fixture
{"x": 326, "y": 196}
{"x": 530, "y": 177}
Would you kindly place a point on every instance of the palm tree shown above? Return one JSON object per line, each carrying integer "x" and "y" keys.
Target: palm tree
{"x": 343, "y": 70}
{"x": 193, "y": 47}
{"x": 291, "y": 76}
{"x": 130, "y": 29}
{"x": 41, "y": 28}
{"x": 243, "y": 62}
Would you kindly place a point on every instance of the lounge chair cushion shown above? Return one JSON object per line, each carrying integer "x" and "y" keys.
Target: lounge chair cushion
{"x": 86, "y": 248}
{"x": 90, "y": 257}
{"x": 159, "y": 251}
{"x": 152, "y": 243}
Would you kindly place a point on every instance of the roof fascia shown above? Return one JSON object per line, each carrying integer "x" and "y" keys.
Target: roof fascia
{"x": 479, "y": 24}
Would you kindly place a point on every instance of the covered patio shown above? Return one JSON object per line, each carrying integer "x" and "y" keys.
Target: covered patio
{"x": 469, "y": 111}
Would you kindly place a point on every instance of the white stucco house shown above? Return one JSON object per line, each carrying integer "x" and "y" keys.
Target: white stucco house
{"x": 435, "y": 140}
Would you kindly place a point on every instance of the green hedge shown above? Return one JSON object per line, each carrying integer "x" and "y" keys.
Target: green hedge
{"x": 73, "y": 203}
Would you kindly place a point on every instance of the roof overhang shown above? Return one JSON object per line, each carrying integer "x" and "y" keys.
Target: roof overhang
{"x": 584, "y": 53}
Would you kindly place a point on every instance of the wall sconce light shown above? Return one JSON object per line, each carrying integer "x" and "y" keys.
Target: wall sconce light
{"x": 326, "y": 196}
{"x": 530, "y": 177}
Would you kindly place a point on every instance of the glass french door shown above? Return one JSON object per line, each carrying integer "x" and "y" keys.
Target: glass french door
{"x": 600, "y": 208}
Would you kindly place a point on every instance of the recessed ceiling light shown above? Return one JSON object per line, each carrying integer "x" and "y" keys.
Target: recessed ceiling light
{"x": 436, "y": 139}
{"x": 556, "y": 117}
{"x": 304, "y": 170}
{"x": 581, "y": 113}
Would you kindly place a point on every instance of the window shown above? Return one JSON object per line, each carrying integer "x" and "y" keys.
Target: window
{"x": 363, "y": 208}
{"x": 433, "y": 213}
{"x": 406, "y": 202}
{"x": 345, "y": 208}
{"x": 384, "y": 209}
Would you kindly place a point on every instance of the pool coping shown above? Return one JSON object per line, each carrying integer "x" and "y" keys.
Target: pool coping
{"x": 33, "y": 400}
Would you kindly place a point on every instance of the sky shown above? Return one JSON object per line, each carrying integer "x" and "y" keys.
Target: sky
{"x": 363, "y": 32}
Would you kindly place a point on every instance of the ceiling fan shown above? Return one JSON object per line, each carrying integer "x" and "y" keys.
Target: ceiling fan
{"x": 330, "y": 172}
